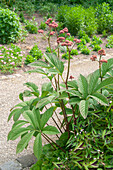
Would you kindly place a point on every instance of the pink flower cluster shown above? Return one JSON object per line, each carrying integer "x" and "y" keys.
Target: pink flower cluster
{"x": 77, "y": 40}
{"x": 101, "y": 52}
{"x": 93, "y": 58}
{"x": 52, "y": 32}
{"x": 52, "y": 24}
{"x": 67, "y": 43}
{"x": 64, "y": 30}
{"x": 41, "y": 31}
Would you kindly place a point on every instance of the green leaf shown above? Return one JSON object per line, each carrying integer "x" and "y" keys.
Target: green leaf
{"x": 75, "y": 93}
{"x": 29, "y": 116}
{"x": 43, "y": 102}
{"x": 36, "y": 113}
{"x": 21, "y": 96}
{"x": 100, "y": 98}
{"x": 83, "y": 85}
{"x": 22, "y": 104}
{"x": 13, "y": 112}
{"x": 37, "y": 148}
{"x": 55, "y": 62}
{"x": 19, "y": 122}
{"x": 104, "y": 83}
{"x": 46, "y": 88}
{"x": 24, "y": 142}
{"x": 93, "y": 81}
{"x": 83, "y": 106}
{"x": 73, "y": 84}
{"x": 107, "y": 66}
{"x": 17, "y": 131}
{"x": 37, "y": 70}
{"x": 46, "y": 116}
{"x": 50, "y": 130}
{"x": 74, "y": 100}
{"x": 39, "y": 64}
{"x": 32, "y": 86}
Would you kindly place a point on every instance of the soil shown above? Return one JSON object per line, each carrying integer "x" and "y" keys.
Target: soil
{"x": 39, "y": 40}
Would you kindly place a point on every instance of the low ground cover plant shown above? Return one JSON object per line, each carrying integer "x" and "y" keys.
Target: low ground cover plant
{"x": 110, "y": 42}
{"x": 35, "y": 54}
{"x": 10, "y": 58}
{"x": 31, "y": 26}
{"x": 82, "y": 108}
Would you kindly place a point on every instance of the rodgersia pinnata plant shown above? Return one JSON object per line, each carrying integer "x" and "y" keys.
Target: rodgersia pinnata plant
{"x": 84, "y": 133}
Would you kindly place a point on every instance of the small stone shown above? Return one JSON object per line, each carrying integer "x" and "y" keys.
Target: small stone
{"x": 3, "y": 77}
{"x": 11, "y": 165}
{"x": 18, "y": 75}
{"x": 27, "y": 160}
{"x": 11, "y": 76}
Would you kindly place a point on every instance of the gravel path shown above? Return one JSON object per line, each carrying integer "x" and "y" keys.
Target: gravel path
{"x": 9, "y": 91}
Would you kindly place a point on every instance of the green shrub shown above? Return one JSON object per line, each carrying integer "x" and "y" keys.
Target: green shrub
{"x": 36, "y": 53}
{"x": 77, "y": 18}
{"x": 86, "y": 37}
{"x": 66, "y": 56}
{"x": 10, "y": 58}
{"x": 74, "y": 52}
{"x": 80, "y": 46}
{"x": 31, "y": 26}
{"x": 90, "y": 22}
{"x": 61, "y": 13}
{"x": 52, "y": 50}
{"x": 22, "y": 18}
{"x": 70, "y": 38}
{"x": 74, "y": 19}
{"x": 48, "y": 9}
{"x": 26, "y": 6}
{"x": 104, "y": 33}
{"x": 110, "y": 42}
{"x": 85, "y": 50}
{"x": 81, "y": 33}
{"x": 10, "y": 26}
{"x": 96, "y": 47}
{"x": 29, "y": 59}
{"x": 97, "y": 39}
{"x": 83, "y": 41}
{"x": 104, "y": 18}
{"x": 42, "y": 25}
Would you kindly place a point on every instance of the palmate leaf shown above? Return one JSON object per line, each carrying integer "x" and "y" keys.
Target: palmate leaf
{"x": 83, "y": 85}
{"x": 46, "y": 116}
{"x": 32, "y": 86}
{"x": 39, "y": 64}
{"x": 55, "y": 62}
{"x": 24, "y": 142}
{"x": 83, "y": 106}
{"x": 37, "y": 147}
{"x": 75, "y": 93}
{"x": 37, "y": 70}
{"x": 93, "y": 79}
{"x": 74, "y": 100}
{"x": 73, "y": 84}
{"x": 100, "y": 98}
{"x": 50, "y": 130}
{"x": 107, "y": 66}
{"x": 106, "y": 82}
